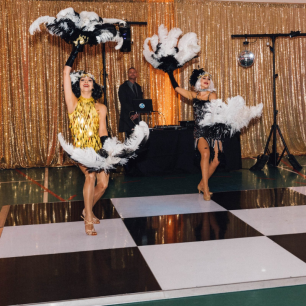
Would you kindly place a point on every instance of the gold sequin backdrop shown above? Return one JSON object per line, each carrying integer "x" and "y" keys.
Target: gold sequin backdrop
{"x": 32, "y": 105}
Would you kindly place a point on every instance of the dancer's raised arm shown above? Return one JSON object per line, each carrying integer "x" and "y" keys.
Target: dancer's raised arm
{"x": 70, "y": 99}
{"x": 183, "y": 92}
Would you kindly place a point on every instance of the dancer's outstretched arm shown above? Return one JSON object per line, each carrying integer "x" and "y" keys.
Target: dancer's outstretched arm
{"x": 185, "y": 93}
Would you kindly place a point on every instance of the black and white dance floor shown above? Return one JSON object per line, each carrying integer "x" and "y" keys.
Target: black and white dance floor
{"x": 151, "y": 248}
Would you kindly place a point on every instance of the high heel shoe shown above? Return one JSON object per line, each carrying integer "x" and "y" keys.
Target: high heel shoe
{"x": 206, "y": 198}
{"x": 201, "y": 189}
{"x": 89, "y": 232}
{"x": 95, "y": 220}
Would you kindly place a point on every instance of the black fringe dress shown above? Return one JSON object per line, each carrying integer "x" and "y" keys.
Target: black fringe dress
{"x": 217, "y": 132}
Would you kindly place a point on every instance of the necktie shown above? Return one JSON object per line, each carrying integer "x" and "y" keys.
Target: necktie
{"x": 135, "y": 90}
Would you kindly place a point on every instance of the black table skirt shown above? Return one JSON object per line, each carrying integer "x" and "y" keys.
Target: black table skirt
{"x": 172, "y": 151}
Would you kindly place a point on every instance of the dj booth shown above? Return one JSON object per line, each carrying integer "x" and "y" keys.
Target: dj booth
{"x": 171, "y": 149}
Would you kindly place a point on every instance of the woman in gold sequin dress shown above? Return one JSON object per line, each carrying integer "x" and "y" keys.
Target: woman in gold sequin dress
{"x": 87, "y": 124}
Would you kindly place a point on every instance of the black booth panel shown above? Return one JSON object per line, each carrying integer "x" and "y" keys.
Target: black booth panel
{"x": 171, "y": 151}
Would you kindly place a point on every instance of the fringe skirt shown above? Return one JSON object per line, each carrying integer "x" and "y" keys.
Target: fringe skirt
{"x": 214, "y": 135}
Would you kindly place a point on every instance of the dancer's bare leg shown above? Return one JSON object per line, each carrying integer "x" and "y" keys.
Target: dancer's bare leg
{"x": 99, "y": 190}
{"x": 88, "y": 195}
{"x": 102, "y": 184}
{"x": 205, "y": 153}
{"x": 214, "y": 164}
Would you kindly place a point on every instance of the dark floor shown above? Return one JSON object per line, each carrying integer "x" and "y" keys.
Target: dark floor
{"x": 252, "y": 231}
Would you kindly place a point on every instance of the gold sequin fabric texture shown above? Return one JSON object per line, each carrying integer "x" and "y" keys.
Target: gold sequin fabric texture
{"x": 84, "y": 125}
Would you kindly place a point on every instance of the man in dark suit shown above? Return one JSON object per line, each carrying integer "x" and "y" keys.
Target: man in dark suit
{"x": 129, "y": 91}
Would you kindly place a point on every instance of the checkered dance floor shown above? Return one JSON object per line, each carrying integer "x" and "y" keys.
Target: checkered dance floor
{"x": 151, "y": 248}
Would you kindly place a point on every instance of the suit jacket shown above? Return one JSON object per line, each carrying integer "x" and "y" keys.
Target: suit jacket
{"x": 126, "y": 97}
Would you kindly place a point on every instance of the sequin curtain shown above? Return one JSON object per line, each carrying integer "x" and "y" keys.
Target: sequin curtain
{"x": 214, "y": 22}
{"x": 32, "y": 109}
{"x": 32, "y": 106}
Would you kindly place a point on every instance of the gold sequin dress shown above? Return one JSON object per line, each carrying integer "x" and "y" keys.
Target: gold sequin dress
{"x": 84, "y": 125}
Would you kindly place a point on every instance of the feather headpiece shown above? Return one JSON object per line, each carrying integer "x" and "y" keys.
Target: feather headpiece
{"x": 75, "y": 78}
{"x": 196, "y": 74}
{"x": 76, "y": 75}
{"x": 195, "y": 80}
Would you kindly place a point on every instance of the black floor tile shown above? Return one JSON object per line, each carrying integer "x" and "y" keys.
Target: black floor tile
{"x": 263, "y": 198}
{"x": 187, "y": 228}
{"x": 42, "y": 213}
{"x": 294, "y": 243}
{"x": 47, "y": 278}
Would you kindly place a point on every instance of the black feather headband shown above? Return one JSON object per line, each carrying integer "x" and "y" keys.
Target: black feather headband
{"x": 196, "y": 74}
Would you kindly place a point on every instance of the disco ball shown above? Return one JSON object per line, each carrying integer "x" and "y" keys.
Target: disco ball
{"x": 246, "y": 58}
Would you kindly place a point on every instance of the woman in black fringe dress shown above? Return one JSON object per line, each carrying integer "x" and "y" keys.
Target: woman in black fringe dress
{"x": 209, "y": 139}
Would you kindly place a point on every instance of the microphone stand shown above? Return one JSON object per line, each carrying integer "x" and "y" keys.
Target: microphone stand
{"x": 105, "y": 75}
{"x": 273, "y": 158}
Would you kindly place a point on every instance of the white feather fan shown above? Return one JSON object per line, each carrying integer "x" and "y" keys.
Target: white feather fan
{"x": 113, "y": 152}
{"x": 167, "y": 53}
{"x": 70, "y": 25}
{"x": 235, "y": 113}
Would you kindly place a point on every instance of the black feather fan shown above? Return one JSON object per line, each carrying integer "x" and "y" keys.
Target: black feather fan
{"x": 83, "y": 28}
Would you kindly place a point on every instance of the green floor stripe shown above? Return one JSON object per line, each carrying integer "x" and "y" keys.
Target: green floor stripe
{"x": 283, "y": 296}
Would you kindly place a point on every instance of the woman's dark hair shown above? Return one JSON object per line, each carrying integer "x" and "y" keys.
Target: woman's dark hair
{"x": 195, "y": 75}
{"x": 96, "y": 92}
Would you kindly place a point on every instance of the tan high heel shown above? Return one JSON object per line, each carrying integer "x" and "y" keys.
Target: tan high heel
{"x": 95, "y": 220}
{"x": 200, "y": 188}
{"x": 91, "y": 232}
{"x": 206, "y": 198}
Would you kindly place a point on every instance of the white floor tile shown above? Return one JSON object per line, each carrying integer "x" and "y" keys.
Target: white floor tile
{"x": 275, "y": 220}
{"x": 301, "y": 189}
{"x": 164, "y": 205}
{"x": 62, "y": 238}
{"x": 209, "y": 263}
